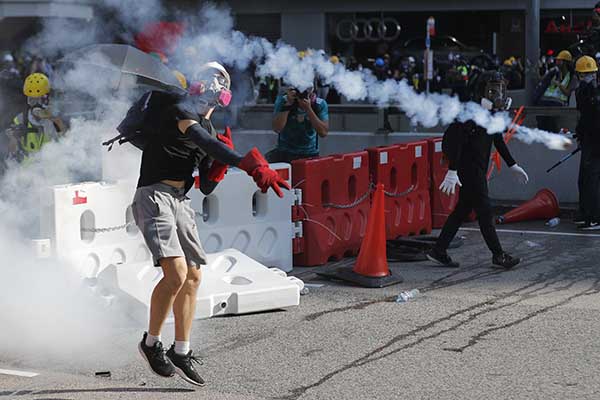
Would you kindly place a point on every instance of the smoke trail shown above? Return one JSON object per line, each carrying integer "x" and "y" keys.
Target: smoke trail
{"x": 218, "y": 41}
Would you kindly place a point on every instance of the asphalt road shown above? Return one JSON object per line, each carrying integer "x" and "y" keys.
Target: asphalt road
{"x": 473, "y": 333}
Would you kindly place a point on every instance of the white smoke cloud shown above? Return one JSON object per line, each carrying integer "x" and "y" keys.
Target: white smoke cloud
{"x": 215, "y": 39}
{"x": 133, "y": 15}
{"x": 62, "y": 35}
{"x": 47, "y": 313}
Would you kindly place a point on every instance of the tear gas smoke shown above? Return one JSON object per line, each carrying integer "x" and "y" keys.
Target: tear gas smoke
{"x": 50, "y": 317}
{"x": 215, "y": 39}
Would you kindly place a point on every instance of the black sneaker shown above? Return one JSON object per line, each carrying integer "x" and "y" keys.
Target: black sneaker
{"x": 155, "y": 357}
{"x": 590, "y": 226}
{"x": 442, "y": 259}
{"x": 505, "y": 260}
{"x": 184, "y": 367}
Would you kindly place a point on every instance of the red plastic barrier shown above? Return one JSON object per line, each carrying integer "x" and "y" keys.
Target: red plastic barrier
{"x": 403, "y": 169}
{"x": 335, "y": 206}
{"x": 441, "y": 204}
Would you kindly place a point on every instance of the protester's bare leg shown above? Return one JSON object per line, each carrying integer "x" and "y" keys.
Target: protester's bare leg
{"x": 175, "y": 270}
{"x": 184, "y": 306}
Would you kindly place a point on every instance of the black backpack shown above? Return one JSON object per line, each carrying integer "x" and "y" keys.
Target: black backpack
{"x": 143, "y": 119}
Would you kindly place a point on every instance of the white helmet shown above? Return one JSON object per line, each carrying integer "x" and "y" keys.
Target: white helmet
{"x": 212, "y": 70}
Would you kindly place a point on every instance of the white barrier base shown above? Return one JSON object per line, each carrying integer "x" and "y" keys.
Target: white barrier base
{"x": 232, "y": 283}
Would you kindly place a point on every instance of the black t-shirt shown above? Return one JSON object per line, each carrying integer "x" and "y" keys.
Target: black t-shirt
{"x": 468, "y": 146}
{"x": 171, "y": 154}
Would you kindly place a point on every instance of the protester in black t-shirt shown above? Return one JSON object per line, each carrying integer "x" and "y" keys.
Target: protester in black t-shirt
{"x": 186, "y": 140}
{"x": 467, "y": 147}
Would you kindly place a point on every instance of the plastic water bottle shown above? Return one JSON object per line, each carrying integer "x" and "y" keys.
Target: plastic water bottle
{"x": 408, "y": 295}
{"x": 553, "y": 222}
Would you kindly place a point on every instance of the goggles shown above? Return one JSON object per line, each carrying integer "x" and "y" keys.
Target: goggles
{"x": 215, "y": 88}
{"x": 38, "y": 101}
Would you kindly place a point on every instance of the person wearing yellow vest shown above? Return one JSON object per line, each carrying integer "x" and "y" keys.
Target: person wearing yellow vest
{"x": 36, "y": 126}
{"x": 563, "y": 84}
{"x": 558, "y": 92}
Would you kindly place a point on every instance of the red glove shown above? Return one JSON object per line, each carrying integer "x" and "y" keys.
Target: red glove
{"x": 258, "y": 168}
{"x": 217, "y": 170}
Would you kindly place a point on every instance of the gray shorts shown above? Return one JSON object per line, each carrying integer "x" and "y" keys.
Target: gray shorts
{"x": 164, "y": 215}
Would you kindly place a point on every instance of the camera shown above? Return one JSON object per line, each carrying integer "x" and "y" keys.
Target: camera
{"x": 303, "y": 95}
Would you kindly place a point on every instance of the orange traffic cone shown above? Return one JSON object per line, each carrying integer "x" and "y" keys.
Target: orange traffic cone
{"x": 371, "y": 268}
{"x": 544, "y": 205}
{"x": 372, "y": 257}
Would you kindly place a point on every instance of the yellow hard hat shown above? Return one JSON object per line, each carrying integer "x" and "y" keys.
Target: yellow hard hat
{"x": 36, "y": 85}
{"x": 334, "y": 59}
{"x": 564, "y": 55}
{"x": 181, "y": 78}
{"x": 301, "y": 54}
{"x": 586, "y": 64}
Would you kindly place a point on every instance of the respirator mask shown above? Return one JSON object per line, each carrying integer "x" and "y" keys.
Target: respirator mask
{"x": 494, "y": 97}
{"x": 38, "y": 102}
{"x": 589, "y": 77}
{"x": 211, "y": 89}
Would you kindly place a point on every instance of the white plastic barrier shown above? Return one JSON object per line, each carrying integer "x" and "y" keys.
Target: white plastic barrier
{"x": 237, "y": 215}
{"x": 232, "y": 283}
{"x": 90, "y": 225}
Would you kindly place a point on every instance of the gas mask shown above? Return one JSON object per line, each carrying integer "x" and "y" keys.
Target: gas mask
{"x": 212, "y": 89}
{"x": 494, "y": 96}
{"x": 38, "y": 102}
{"x": 589, "y": 78}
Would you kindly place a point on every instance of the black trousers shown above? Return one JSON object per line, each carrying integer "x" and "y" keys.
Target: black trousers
{"x": 473, "y": 196}
{"x": 589, "y": 186}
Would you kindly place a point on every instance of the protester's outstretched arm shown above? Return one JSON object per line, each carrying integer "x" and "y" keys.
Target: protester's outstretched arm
{"x": 253, "y": 162}
{"x": 212, "y": 146}
{"x": 503, "y": 150}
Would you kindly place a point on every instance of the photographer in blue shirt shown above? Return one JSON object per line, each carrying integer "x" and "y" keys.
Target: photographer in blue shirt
{"x": 298, "y": 118}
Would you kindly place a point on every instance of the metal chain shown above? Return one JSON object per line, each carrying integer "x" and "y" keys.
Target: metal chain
{"x": 366, "y": 195}
{"x": 409, "y": 190}
{"x": 353, "y": 204}
{"x": 109, "y": 229}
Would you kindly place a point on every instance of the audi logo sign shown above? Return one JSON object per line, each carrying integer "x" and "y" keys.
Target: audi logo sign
{"x": 368, "y": 30}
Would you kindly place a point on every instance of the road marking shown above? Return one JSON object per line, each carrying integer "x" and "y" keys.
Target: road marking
{"x": 25, "y": 374}
{"x": 538, "y": 232}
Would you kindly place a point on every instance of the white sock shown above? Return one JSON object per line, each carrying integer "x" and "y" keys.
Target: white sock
{"x": 182, "y": 347}
{"x": 151, "y": 340}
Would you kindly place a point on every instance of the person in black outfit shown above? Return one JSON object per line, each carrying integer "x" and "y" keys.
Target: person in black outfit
{"x": 467, "y": 147}
{"x": 184, "y": 141}
{"x": 588, "y": 136}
